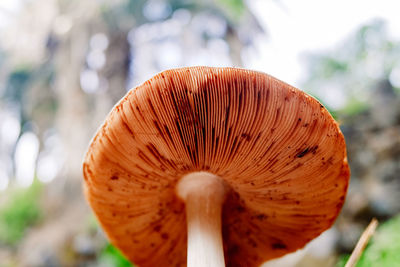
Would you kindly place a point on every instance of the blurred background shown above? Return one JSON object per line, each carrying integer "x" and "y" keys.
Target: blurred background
{"x": 65, "y": 63}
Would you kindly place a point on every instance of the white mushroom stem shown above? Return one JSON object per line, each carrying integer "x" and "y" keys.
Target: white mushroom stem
{"x": 204, "y": 194}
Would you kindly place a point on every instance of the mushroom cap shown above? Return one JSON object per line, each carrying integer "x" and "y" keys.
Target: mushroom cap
{"x": 279, "y": 150}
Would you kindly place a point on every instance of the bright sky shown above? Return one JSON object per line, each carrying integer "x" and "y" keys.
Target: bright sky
{"x": 8, "y": 8}
{"x": 295, "y": 27}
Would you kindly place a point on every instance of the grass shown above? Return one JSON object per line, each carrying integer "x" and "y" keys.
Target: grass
{"x": 384, "y": 248}
{"x": 113, "y": 257}
{"x": 20, "y": 211}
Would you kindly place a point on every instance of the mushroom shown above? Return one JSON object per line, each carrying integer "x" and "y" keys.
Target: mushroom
{"x": 252, "y": 167}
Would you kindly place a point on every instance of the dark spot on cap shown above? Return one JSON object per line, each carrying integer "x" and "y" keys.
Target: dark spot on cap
{"x": 303, "y": 153}
{"x": 160, "y": 212}
{"x": 278, "y": 246}
{"x": 114, "y": 177}
{"x": 164, "y": 236}
{"x": 157, "y": 228}
{"x": 240, "y": 209}
{"x": 233, "y": 250}
{"x": 306, "y": 124}
{"x": 252, "y": 243}
{"x": 261, "y": 217}
{"x": 246, "y": 136}
{"x": 297, "y": 202}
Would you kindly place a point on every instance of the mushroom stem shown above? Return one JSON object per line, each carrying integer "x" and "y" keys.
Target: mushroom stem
{"x": 204, "y": 194}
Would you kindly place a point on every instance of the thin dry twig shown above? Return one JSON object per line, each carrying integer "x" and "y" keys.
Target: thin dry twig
{"x": 362, "y": 243}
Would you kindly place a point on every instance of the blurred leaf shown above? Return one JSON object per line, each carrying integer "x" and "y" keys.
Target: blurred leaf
{"x": 333, "y": 65}
{"x": 354, "y": 106}
{"x": 91, "y": 223}
{"x": 326, "y": 67}
{"x": 343, "y": 260}
{"x": 114, "y": 257}
{"x": 19, "y": 213}
{"x": 235, "y": 7}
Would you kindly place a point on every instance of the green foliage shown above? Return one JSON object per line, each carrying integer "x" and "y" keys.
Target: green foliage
{"x": 384, "y": 248}
{"x": 342, "y": 260}
{"x": 354, "y": 69}
{"x": 21, "y": 211}
{"x": 91, "y": 223}
{"x": 234, "y": 7}
{"x": 112, "y": 256}
{"x": 354, "y": 106}
{"x": 326, "y": 66}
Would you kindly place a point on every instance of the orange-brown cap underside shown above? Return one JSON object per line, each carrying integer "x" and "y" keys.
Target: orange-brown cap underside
{"x": 280, "y": 151}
